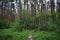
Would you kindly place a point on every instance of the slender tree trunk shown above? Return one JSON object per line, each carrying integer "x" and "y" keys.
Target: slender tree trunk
{"x": 45, "y": 15}
{"x": 58, "y": 8}
{"x": 20, "y": 14}
{"x": 35, "y": 15}
{"x": 41, "y": 22}
{"x": 52, "y": 11}
{"x": 26, "y": 13}
{"x": 27, "y": 25}
{"x": 58, "y": 18}
{"x": 2, "y": 11}
{"x": 32, "y": 9}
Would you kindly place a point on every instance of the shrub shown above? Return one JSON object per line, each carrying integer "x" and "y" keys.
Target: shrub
{"x": 44, "y": 35}
{"x": 4, "y": 24}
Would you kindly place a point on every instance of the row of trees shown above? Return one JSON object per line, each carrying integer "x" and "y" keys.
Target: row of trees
{"x": 34, "y": 7}
{"x": 7, "y": 9}
{"x": 33, "y": 14}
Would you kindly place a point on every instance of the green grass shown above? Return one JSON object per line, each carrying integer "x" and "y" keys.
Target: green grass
{"x": 14, "y": 35}
{"x": 39, "y": 35}
{"x": 43, "y": 35}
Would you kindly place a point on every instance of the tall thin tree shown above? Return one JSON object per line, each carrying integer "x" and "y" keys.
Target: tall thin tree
{"x": 26, "y": 12}
{"x": 20, "y": 14}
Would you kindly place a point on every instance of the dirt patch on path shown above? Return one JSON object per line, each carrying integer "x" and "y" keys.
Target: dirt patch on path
{"x": 30, "y": 36}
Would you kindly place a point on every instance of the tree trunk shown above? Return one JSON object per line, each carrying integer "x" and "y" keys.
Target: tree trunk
{"x": 35, "y": 15}
{"x": 20, "y": 11}
{"x": 52, "y": 11}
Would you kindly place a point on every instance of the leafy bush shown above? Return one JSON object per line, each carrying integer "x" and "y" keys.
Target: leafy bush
{"x": 11, "y": 35}
{"x": 44, "y": 35}
{"x": 4, "y": 24}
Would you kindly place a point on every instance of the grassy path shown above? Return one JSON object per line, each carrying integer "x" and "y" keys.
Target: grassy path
{"x": 27, "y": 35}
{"x": 30, "y": 36}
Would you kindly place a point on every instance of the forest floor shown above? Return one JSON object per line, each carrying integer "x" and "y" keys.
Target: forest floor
{"x": 28, "y": 35}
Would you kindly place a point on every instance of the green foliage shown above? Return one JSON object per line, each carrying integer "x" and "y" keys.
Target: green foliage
{"x": 51, "y": 22}
{"x": 39, "y": 35}
{"x": 4, "y": 24}
{"x": 11, "y": 35}
{"x": 42, "y": 35}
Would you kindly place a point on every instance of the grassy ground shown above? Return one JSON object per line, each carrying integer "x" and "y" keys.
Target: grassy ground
{"x": 43, "y": 35}
{"x": 39, "y": 35}
{"x": 13, "y": 35}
